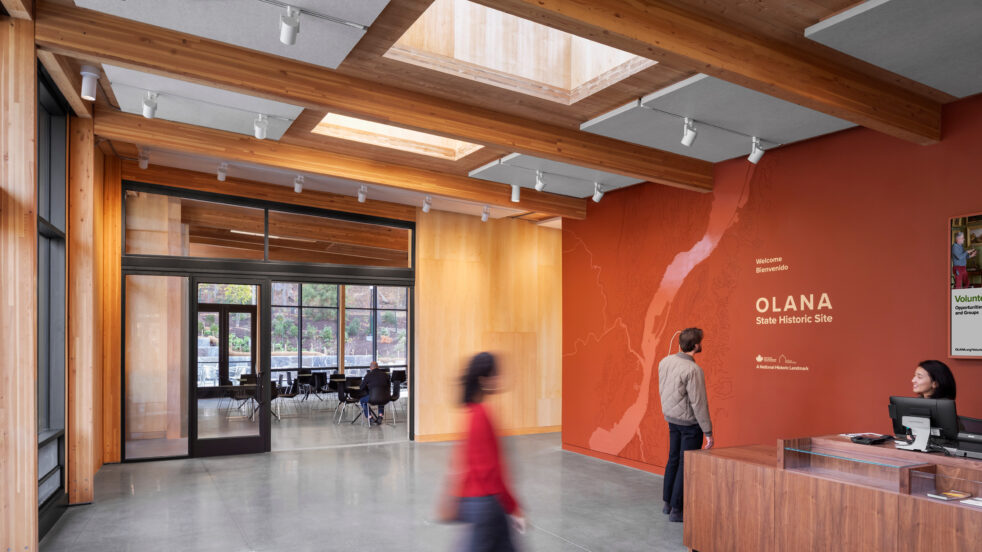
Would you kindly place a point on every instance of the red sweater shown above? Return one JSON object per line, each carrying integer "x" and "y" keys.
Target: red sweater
{"x": 481, "y": 467}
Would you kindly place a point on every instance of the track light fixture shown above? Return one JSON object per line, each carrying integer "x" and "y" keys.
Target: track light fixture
{"x": 298, "y": 183}
{"x": 260, "y": 125}
{"x": 144, "y": 159}
{"x": 362, "y": 193}
{"x": 756, "y": 152}
{"x": 598, "y": 192}
{"x": 150, "y": 104}
{"x": 222, "y": 171}
{"x": 485, "y": 213}
{"x": 540, "y": 183}
{"x": 427, "y": 204}
{"x": 688, "y": 132}
{"x": 516, "y": 193}
{"x": 90, "y": 76}
{"x": 290, "y": 26}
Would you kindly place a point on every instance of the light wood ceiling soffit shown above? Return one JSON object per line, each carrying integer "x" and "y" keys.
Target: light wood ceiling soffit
{"x": 94, "y": 36}
{"x": 19, "y": 9}
{"x": 235, "y": 147}
{"x": 686, "y": 38}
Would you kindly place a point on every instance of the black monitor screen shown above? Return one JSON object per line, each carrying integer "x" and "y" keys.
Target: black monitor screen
{"x": 940, "y": 411}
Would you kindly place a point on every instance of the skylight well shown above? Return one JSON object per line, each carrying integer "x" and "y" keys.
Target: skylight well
{"x": 388, "y": 136}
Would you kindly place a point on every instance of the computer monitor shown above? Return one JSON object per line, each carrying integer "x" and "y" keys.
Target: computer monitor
{"x": 940, "y": 411}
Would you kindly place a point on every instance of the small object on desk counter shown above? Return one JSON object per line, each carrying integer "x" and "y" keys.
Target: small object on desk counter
{"x": 973, "y": 502}
{"x": 950, "y": 495}
{"x": 870, "y": 438}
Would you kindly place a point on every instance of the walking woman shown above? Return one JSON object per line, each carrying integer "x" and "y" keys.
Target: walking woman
{"x": 479, "y": 493}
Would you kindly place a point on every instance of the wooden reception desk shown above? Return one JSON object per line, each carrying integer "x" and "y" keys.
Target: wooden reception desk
{"x": 827, "y": 493}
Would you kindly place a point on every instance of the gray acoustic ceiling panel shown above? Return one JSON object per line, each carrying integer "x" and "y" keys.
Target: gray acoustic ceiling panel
{"x": 254, "y": 24}
{"x": 937, "y": 43}
{"x": 726, "y": 116}
{"x": 560, "y": 178}
{"x": 194, "y": 104}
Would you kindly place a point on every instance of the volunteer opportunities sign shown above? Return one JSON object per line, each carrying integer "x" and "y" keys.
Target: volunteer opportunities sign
{"x": 965, "y": 275}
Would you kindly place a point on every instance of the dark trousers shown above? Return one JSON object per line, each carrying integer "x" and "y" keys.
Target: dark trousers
{"x": 489, "y": 530}
{"x": 364, "y": 407}
{"x": 680, "y": 439}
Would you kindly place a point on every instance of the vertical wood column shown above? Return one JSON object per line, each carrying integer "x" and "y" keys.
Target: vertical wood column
{"x": 84, "y": 345}
{"x": 18, "y": 294}
{"x": 112, "y": 318}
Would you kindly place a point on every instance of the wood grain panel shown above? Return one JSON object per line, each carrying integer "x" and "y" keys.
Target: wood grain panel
{"x": 237, "y": 147}
{"x": 68, "y": 81}
{"x": 84, "y": 312}
{"x": 494, "y": 287}
{"x": 830, "y": 515}
{"x": 18, "y": 272}
{"x": 739, "y": 492}
{"x": 111, "y": 304}
{"x": 88, "y": 34}
{"x": 685, "y": 39}
{"x": 934, "y": 525}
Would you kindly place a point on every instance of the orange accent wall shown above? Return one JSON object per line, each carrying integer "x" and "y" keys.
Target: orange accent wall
{"x": 857, "y": 215}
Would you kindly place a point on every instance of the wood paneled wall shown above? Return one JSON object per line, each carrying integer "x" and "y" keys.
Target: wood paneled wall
{"x": 85, "y": 344}
{"x": 111, "y": 285}
{"x": 494, "y": 286}
{"x": 18, "y": 272}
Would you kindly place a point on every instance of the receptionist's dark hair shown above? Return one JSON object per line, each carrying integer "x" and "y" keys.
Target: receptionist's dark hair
{"x": 941, "y": 375}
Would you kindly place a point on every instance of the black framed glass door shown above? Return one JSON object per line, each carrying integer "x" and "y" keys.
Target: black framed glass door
{"x": 229, "y": 373}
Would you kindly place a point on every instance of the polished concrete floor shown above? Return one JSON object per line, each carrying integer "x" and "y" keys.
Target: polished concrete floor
{"x": 366, "y": 497}
{"x": 311, "y": 424}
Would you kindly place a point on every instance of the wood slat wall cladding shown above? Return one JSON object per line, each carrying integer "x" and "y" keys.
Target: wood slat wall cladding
{"x": 85, "y": 208}
{"x": 18, "y": 272}
{"x": 497, "y": 287}
{"x": 111, "y": 304}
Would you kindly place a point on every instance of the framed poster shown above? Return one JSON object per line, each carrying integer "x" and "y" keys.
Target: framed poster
{"x": 964, "y": 253}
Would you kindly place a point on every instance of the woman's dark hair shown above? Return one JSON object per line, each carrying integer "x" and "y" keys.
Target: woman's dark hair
{"x": 941, "y": 375}
{"x": 481, "y": 366}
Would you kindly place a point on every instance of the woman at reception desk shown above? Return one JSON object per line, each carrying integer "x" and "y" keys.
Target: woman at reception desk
{"x": 933, "y": 380}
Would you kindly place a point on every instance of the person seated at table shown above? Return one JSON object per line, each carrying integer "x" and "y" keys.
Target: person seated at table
{"x": 933, "y": 380}
{"x": 376, "y": 385}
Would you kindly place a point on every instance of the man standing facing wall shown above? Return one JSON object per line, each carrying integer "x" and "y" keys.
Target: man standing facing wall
{"x": 682, "y": 387}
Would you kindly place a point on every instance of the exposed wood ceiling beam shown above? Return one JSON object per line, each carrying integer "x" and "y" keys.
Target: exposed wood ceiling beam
{"x": 206, "y": 182}
{"x": 68, "y": 81}
{"x": 19, "y": 9}
{"x": 103, "y": 38}
{"x": 683, "y": 39}
{"x": 115, "y": 125}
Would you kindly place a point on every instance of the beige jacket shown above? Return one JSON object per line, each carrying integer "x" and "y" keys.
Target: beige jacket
{"x": 682, "y": 386}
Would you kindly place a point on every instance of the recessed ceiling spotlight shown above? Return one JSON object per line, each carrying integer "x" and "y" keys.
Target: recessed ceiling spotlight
{"x": 540, "y": 183}
{"x": 688, "y": 132}
{"x": 756, "y": 152}
{"x": 260, "y": 125}
{"x": 222, "y": 171}
{"x": 362, "y": 193}
{"x": 427, "y": 204}
{"x": 516, "y": 193}
{"x": 298, "y": 183}
{"x": 290, "y": 26}
{"x": 485, "y": 213}
{"x": 144, "y": 159}
{"x": 90, "y": 76}
{"x": 150, "y": 104}
{"x": 598, "y": 192}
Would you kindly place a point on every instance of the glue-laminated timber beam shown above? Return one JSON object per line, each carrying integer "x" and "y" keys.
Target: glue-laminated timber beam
{"x": 115, "y": 125}
{"x": 202, "y": 182}
{"x": 686, "y": 40}
{"x": 19, "y": 9}
{"x": 68, "y": 81}
{"x": 94, "y": 36}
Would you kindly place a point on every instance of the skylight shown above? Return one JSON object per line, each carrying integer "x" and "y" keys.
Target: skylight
{"x": 478, "y": 43}
{"x": 388, "y": 136}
